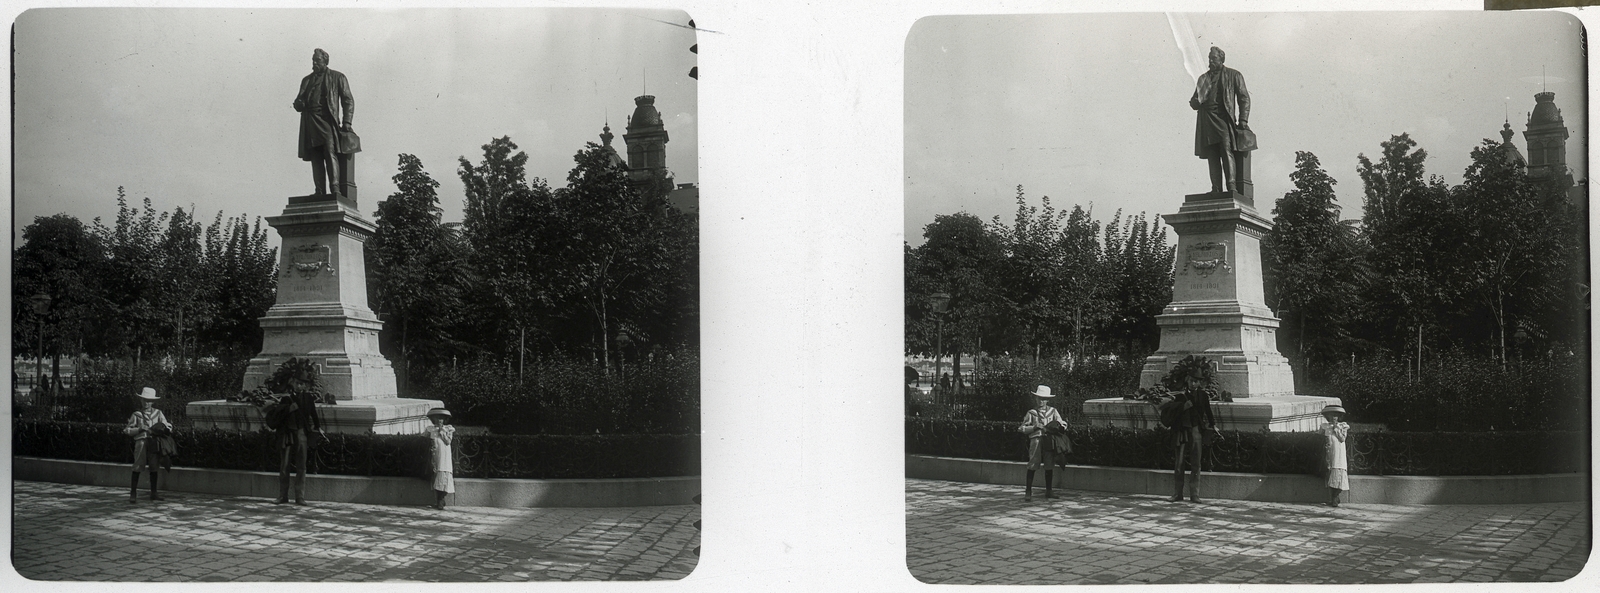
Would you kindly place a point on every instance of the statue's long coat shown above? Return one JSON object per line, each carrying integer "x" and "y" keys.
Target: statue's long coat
{"x": 322, "y": 128}
{"x": 1218, "y": 88}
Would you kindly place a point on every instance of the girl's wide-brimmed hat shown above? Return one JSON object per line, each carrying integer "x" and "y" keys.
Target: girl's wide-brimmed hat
{"x": 149, "y": 393}
{"x": 440, "y": 412}
{"x": 1043, "y": 391}
{"x": 1333, "y": 409}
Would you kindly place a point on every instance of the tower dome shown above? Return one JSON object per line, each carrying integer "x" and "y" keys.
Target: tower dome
{"x": 644, "y": 114}
{"x": 1545, "y": 110}
{"x": 1547, "y": 135}
{"x": 647, "y": 139}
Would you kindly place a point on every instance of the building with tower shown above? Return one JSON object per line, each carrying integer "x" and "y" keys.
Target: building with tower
{"x": 1546, "y": 135}
{"x": 1513, "y": 155}
{"x": 647, "y": 147}
{"x": 646, "y": 139}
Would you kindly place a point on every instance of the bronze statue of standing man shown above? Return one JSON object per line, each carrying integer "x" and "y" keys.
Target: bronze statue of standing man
{"x": 326, "y": 109}
{"x": 1222, "y": 130}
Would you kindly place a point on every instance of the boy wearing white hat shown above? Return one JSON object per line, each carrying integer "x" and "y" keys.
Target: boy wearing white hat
{"x": 143, "y": 426}
{"x": 1335, "y": 431}
{"x": 1040, "y": 453}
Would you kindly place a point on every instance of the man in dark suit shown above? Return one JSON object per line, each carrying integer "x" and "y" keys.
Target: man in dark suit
{"x": 326, "y": 108}
{"x": 1222, "y": 107}
{"x": 292, "y": 436}
{"x": 1195, "y": 414}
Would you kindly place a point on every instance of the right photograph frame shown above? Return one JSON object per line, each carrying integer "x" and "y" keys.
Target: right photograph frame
{"x": 1247, "y": 298}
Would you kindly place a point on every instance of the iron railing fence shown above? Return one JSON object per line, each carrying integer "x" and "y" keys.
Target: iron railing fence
{"x": 475, "y": 455}
{"x": 1368, "y": 453}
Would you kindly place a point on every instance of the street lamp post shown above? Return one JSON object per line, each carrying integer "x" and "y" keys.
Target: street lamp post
{"x": 941, "y": 301}
{"x": 41, "y": 305}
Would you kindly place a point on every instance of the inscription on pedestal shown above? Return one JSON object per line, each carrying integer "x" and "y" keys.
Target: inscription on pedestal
{"x": 309, "y": 261}
{"x": 1207, "y": 258}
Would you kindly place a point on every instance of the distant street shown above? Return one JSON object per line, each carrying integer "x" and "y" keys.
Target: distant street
{"x": 959, "y": 533}
{"x": 86, "y": 533}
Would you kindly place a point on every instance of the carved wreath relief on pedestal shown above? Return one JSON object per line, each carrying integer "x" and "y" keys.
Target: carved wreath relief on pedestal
{"x": 1205, "y": 258}
{"x": 308, "y": 260}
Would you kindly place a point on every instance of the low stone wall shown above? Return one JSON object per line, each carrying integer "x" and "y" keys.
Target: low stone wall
{"x": 377, "y": 490}
{"x": 1270, "y": 487}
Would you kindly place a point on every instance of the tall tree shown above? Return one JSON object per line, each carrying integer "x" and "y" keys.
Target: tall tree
{"x": 1315, "y": 261}
{"x": 1398, "y": 172}
{"x": 244, "y": 271}
{"x": 1516, "y": 239}
{"x": 1035, "y": 279}
{"x": 624, "y": 260}
{"x": 1410, "y": 224}
{"x": 962, "y": 257}
{"x": 510, "y": 238}
{"x": 1138, "y": 263}
{"x": 132, "y": 280}
{"x": 183, "y": 300}
{"x": 415, "y": 273}
{"x": 59, "y": 258}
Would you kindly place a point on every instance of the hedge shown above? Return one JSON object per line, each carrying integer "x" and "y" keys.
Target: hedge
{"x": 476, "y": 455}
{"x": 1460, "y": 393}
{"x": 564, "y": 395}
{"x": 1456, "y": 392}
{"x": 1370, "y": 453}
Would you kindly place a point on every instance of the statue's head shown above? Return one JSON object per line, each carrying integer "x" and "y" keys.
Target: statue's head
{"x": 1216, "y": 57}
{"x": 319, "y": 59}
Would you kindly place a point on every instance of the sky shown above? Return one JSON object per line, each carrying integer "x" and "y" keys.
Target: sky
{"x": 192, "y": 107}
{"x": 1092, "y": 109}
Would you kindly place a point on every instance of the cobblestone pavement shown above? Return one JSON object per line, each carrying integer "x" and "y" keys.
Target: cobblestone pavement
{"x": 961, "y": 533}
{"x": 87, "y": 533}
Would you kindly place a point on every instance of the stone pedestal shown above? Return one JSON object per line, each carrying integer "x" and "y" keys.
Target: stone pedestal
{"x": 322, "y": 314}
{"x": 1276, "y": 413}
{"x": 381, "y": 416}
{"x": 1218, "y": 310}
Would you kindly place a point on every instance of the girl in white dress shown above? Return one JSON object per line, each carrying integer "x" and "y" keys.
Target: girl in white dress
{"x": 441, "y": 434}
{"x": 1335, "y": 431}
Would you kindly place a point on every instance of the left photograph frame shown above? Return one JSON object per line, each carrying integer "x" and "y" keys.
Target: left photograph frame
{"x": 355, "y": 295}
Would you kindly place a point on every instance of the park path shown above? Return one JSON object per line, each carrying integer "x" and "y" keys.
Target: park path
{"x": 961, "y": 533}
{"x": 87, "y": 533}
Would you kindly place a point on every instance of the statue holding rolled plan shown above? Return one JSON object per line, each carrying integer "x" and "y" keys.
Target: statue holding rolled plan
{"x": 1222, "y": 133}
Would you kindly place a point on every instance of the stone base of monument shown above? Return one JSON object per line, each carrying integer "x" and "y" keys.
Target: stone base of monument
{"x": 1249, "y": 374}
{"x": 349, "y": 376}
{"x": 1281, "y": 413}
{"x": 379, "y": 416}
{"x": 321, "y": 314}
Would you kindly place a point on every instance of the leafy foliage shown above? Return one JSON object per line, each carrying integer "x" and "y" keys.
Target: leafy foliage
{"x": 102, "y": 390}
{"x": 414, "y": 271}
{"x": 1002, "y": 390}
{"x": 1489, "y": 268}
{"x": 594, "y": 267}
{"x": 1316, "y": 266}
{"x": 1177, "y": 381}
{"x": 151, "y": 285}
{"x": 1465, "y": 393}
{"x": 296, "y": 375}
{"x": 564, "y": 395}
{"x": 1050, "y": 282}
